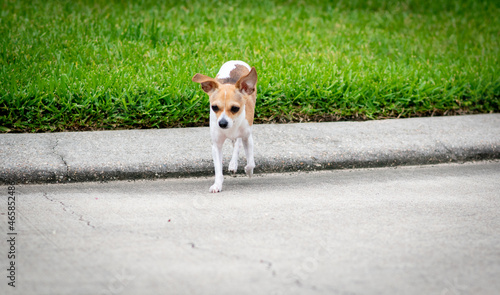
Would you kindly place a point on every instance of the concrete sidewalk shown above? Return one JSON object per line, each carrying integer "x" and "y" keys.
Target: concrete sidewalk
{"x": 138, "y": 154}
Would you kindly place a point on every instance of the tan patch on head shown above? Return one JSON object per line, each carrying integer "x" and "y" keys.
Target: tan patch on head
{"x": 225, "y": 95}
{"x": 238, "y": 72}
{"x": 225, "y": 99}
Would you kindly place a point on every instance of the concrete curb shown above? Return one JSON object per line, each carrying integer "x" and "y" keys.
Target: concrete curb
{"x": 149, "y": 154}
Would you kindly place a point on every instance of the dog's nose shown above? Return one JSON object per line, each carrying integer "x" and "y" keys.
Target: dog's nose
{"x": 223, "y": 123}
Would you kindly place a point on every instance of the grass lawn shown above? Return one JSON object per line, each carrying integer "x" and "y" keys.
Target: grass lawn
{"x": 88, "y": 65}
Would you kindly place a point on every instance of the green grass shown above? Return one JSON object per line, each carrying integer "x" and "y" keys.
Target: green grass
{"x": 87, "y": 65}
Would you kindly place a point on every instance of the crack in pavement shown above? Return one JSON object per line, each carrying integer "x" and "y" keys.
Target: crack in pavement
{"x": 54, "y": 147}
{"x": 450, "y": 152}
{"x": 65, "y": 209}
{"x": 268, "y": 263}
{"x": 269, "y": 266}
{"x": 214, "y": 252}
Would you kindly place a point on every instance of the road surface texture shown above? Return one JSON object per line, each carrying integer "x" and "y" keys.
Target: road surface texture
{"x": 406, "y": 230}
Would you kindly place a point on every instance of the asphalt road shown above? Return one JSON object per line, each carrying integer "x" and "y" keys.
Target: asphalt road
{"x": 407, "y": 230}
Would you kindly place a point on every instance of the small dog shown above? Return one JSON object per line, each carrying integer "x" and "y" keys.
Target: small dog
{"x": 232, "y": 95}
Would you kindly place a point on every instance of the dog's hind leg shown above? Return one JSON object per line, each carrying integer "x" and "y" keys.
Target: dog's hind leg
{"x": 233, "y": 164}
{"x": 248, "y": 145}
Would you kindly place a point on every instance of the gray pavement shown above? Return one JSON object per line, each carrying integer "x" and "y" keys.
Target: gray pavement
{"x": 148, "y": 154}
{"x": 408, "y": 230}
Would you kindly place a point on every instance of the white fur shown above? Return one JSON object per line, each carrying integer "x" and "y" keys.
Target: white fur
{"x": 226, "y": 68}
{"x": 239, "y": 131}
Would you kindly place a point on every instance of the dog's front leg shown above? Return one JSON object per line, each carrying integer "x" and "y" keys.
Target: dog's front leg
{"x": 219, "y": 178}
{"x": 248, "y": 145}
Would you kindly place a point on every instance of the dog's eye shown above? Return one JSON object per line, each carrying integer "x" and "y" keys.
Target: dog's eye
{"x": 215, "y": 108}
{"x": 234, "y": 109}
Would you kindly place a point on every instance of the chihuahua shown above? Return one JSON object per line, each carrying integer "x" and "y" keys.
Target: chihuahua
{"x": 232, "y": 95}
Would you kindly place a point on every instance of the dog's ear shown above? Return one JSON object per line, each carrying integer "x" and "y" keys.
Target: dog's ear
{"x": 207, "y": 84}
{"x": 246, "y": 84}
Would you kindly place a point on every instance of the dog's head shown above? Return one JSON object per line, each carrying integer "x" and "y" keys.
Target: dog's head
{"x": 227, "y": 101}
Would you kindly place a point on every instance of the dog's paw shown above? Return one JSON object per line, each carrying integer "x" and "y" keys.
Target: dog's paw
{"x": 249, "y": 170}
{"x": 215, "y": 188}
{"x": 233, "y": 166}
